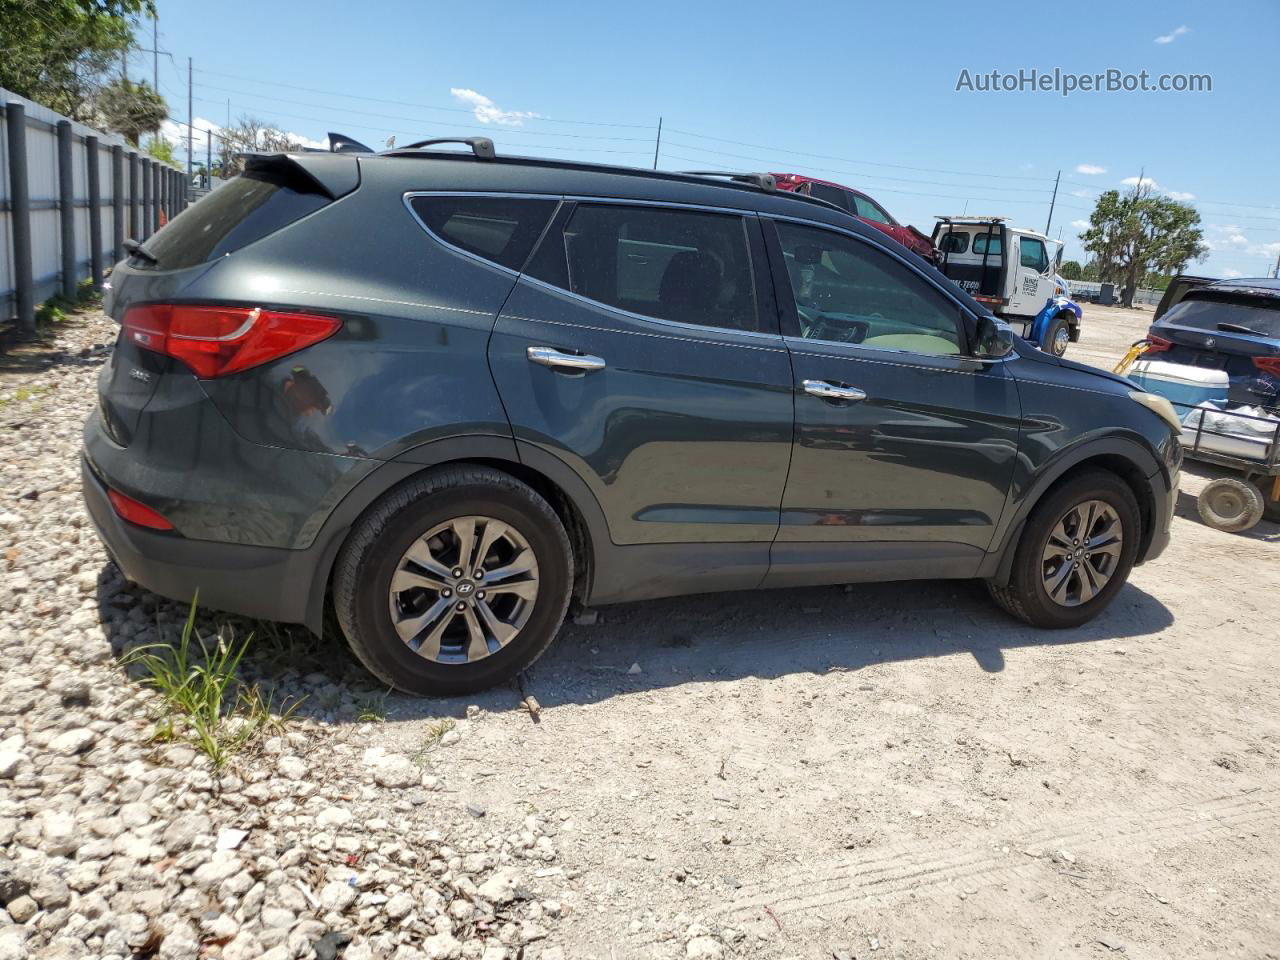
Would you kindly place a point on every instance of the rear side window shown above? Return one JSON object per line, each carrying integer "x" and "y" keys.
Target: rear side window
{"x": 234, "y": 215}
{"x": 953, "y": 242}
{"x": 680, "y": 265}
{"x": 832, "y": 195}
{"x": 989, "y": 244}
{"x": 500, "y": 229}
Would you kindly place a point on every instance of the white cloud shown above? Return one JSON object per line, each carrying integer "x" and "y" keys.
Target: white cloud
{"x": 1180, "y": 196}
{"x": 1089, "y": 169}
{"x": 1086, "y": 194}
{"x": 486, "y": 111}
{"x": 1170, "y": 37}
{"x": 1080, "y": 224}
{"x": 1146, "y": 182}
{"x": 1232, "y": 274}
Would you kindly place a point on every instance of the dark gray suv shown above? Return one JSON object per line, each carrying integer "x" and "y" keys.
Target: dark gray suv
{"x": 454, "y": 393}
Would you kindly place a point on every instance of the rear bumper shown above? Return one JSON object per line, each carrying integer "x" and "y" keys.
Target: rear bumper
{"x": 270, "y": 583}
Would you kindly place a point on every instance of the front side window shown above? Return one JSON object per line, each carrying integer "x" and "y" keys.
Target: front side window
{"x": 988, "y": 243}
{"x": 849, "y": 292}
{"x": 680, "y": 265}
{"x": 1032, "y": 254}
{"x": 501, "y": 229}
{"x": 869, "y": 210}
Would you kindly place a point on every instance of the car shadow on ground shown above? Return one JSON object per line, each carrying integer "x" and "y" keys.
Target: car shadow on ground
{"x": 642, "y": 647}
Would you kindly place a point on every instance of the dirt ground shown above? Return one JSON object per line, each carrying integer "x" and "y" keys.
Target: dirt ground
{"x": 900, "y": 770}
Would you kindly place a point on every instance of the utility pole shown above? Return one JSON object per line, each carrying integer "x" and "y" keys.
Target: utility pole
{"x": 1052, "y": 202}
{"x": 155, "y": 52}
{"x": 657, "y": 144}
{"x": 190, "y": 135}
{"x": 1276, "y": 272}
{"x": 208, "y": 159}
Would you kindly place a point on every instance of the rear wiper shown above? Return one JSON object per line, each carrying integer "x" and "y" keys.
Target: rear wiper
{"x": 1237, "y": 328}
{"x": 138, "y": 250}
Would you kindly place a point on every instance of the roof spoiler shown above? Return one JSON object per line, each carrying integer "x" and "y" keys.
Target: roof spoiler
{"x": 334, "y": 175}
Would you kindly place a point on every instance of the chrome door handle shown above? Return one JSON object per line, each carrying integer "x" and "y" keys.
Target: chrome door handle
{"x": 551, "y": 357}
{"x": 830, "y": 391}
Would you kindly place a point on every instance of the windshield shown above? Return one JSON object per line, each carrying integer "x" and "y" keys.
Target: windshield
{"x": 1212, "y": 314}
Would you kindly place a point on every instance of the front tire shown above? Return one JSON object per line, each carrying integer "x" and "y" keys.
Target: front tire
{"x": 1058, "y": 336}
{"x": 453, "y": 582}
{"x": 1076, "y": 551}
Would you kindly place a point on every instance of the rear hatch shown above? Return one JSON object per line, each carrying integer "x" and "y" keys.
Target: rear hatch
{"x": 275, "y": 191}
{"x": 1228, "y": 329}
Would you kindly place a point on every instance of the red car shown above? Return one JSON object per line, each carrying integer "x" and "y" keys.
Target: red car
{"x": 862, "y": 207}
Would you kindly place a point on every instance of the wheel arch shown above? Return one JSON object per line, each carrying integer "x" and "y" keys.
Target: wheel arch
{"x": 573, "y": 503}
{"x": 1124, "y": 458}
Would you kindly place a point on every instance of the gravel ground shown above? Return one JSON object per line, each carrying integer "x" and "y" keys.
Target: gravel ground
{"x": 875, "y": 771}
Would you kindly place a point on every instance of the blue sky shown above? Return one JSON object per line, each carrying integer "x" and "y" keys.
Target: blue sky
{"x": 859, "y": 93}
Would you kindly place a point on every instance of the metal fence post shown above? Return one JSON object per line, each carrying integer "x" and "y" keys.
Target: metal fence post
{"x": 162, "y": 192}
{"x": 117, "y": 203}
{"x": 67, "y": 209}
{"x": 135, "y": 212}
{"x": 158, "y": 192}
{"x": 20, "y": 215}
{"x": 146, "y": 198}
{"x": 95, "y": 211}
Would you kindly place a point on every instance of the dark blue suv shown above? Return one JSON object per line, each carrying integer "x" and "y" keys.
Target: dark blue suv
{"x": 454, "y": 393}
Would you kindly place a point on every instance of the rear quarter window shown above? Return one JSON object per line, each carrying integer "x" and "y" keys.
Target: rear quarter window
{"x": 234, "y": 215}
{"x": 499, "y": 229}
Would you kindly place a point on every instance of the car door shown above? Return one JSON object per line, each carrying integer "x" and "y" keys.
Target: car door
{"x": 640, "y": 348}
{"x": 904, "y": 446}
{"x": 1032, "y": 285}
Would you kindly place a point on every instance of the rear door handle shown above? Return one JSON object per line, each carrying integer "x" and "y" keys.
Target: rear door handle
{"x": 833, "y": 391}
{"x": 558, "y": 359}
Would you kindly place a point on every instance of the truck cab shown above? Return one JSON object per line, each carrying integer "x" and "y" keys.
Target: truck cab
{"x": 1013, "y": 271}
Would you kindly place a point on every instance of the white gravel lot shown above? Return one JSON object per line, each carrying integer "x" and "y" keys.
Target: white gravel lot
{"x": 878, "y": 771}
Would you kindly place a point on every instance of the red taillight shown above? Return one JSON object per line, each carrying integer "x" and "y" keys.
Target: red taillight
{"x": 216, "y": 341}
{"x": 135, "y": 512}
{"x": 1156, "y": 344}
{"x": 1269, "y": 365}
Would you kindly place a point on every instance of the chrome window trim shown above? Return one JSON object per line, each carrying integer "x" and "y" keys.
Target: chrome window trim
{"x": 909, "y": 266}
{"x": 408, "y": 198}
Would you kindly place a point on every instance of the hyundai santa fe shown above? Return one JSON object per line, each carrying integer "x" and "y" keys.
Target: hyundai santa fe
{"x": 453, "y": 393}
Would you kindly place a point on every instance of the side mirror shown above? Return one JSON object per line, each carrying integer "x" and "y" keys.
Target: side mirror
{"x": 995, "y": 339}
{"x": 1057, "y": 260}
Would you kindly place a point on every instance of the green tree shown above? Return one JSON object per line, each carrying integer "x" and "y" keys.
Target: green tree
{"x": 160, "y": 148}
{"x": 60, "y": 52}
{"x": 1137, "y": 233}
{"x": 1071, "y": 270}
{"x": 131, "y": 109}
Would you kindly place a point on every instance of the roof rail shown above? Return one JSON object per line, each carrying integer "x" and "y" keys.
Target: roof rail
{"x": 481, "y": 147}
{"x": 765, "y": 181}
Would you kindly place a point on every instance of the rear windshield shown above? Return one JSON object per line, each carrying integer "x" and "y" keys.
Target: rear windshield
{"x": 1226, "y": 317}
{"x": 234, "y": 215}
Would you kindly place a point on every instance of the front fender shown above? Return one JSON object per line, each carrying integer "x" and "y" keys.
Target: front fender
{"x": 1053, "y": 307}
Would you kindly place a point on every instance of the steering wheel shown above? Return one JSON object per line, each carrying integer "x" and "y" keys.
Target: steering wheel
{"x": 839, "y": 328}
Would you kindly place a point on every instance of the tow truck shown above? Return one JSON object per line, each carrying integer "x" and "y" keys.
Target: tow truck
{"x": 1023, "y": 288}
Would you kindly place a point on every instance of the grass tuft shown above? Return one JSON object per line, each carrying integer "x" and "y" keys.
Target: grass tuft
{"x": 205, "y": 700}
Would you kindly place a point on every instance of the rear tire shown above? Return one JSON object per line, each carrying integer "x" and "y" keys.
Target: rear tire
{"x": 1084, "y": 590}
{"x": 1230, "y": 504}
{"x": 411, "y": 612}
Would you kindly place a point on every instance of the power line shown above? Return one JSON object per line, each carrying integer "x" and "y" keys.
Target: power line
{"x": 391, "y": 116}
{"x": 868, "y": 163}
{"x": 422, "y": 106}
{"x": 934, "y": 183}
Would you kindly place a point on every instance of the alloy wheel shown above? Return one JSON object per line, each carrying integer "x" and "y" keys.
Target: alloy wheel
{"x": 464, "y": 589}
{"x": 1082, "y": 553}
